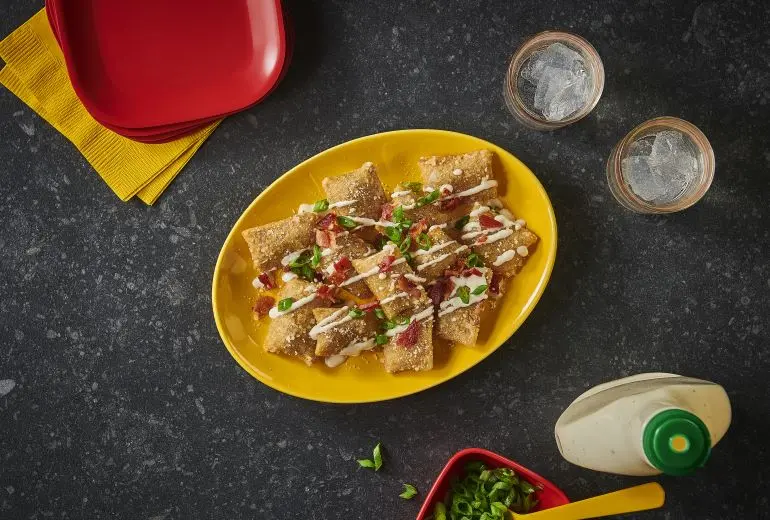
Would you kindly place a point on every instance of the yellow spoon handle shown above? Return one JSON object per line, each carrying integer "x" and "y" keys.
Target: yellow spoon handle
{"x": 637, "y": 498}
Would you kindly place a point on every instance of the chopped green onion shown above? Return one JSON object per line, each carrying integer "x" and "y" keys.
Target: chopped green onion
{"x": 407, "y": 256}
{"x": 346, "y": 222}
{"x": 320, "y": 205}
{"x": 393, "y": 233}
{"x": 479, "y": 290}
{"x": 439, "y": 511}
{"x": 412, "y": 186}
{"x": 473, "y": 260}
{"x": 405, "y": 224}
{"x": 285, "y": 304}
{"x": 462, "y": 221}
{"x": 355, "y": 312}
{"x": 365, "y": 463}
{"x": 409, "y": 492}
{"x": 464, "y": 294}
{"x": 423, "y": 240}
{"x": 379, "y": 313}
{"x": 405, "y": 245}
{"x": 316, "y": 256}
{"x": 377, "y": 454}
{"x": 387, "y": 325}
{"x": 402, "y": 320}
{"x": 380, "y": 339}
{"x": 398, "y": 214}
{"x": 427, "y": 199}
{"x": 301, "y": 260}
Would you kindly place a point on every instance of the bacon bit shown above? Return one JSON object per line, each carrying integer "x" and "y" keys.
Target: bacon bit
{"x": 387, "y": 212}
{"x": 328, "y": 222}
{"x": 446, "y": 191}
{"x": 325, "y": 238}
{"x": 418, "y": 227}
{"x": 455, "y": 269}
{"x": 408, "y": 286}
{"x": 326, "y": 292}
{"x": 369, "y": 306}
{"x": 494, "y": 285}
{"x": 472, "y": 271}
{"x": 263, "y": 305}
{"x": 438, "y": 289}
{"x": 487, "y": 220}
{"x": 408, "y": 338}
{"x": 343, "y": 264}
{"x": 266, "y": 280}
{"x": 336, "y": 277}
{"x": 386, "y": 263}
{"x": 451, "y": 204}
{"x": 481, "y": 239}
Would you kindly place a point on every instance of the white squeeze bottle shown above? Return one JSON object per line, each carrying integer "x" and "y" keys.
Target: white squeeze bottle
{"x": 645, "y": 425}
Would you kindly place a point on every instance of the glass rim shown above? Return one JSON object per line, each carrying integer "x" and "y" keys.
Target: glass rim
{"x": 524, "y": 51}
{"x": 699, "y": 139}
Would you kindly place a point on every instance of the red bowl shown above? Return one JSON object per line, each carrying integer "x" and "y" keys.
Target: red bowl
{"x": 549, "y": 496}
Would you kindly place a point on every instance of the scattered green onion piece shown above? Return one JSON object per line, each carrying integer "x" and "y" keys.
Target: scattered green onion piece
{"x": 427, "y": 199}
{"x": 398, "y": 214}
{"x": 473, "y": 260}
{"x": 380, "y": 339}
{"x": 479, "y": 290}
{"x": 460, "y": 223}
{"x": 409, "y": 492}
{"x": 405, "y": 224}
{"x": 377, "y": 454}
{"x": 355, "y": 312}
{"x": 407, "y": 256}
{"x": 464, "y": 294}
{"x": 301, "y": 260}
{"x": 423, "y": 240}
{"x": 388, "y": 325}
{"x": 402, "y": 320}
{"x": 365, "y": 463}
{"x": 393, "y": 233}
{"x": 316, "y": 260}
{"x": 412, "y": 186}
{"x": 320, "y": 205}
{"x": 405, "y": 245}
{"x": 346, "y": 222}
{"x": 285, "y": 304}
{"x": 379, "y": 313}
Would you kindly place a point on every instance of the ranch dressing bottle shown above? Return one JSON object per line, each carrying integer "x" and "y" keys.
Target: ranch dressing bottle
{"x": 644, "y": 425}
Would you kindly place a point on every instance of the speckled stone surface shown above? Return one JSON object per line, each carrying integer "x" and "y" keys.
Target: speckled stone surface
{"x": 118, "y": 400}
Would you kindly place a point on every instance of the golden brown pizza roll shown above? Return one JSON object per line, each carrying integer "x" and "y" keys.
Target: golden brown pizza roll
{"x": 459, "y": 314}
{"x": 470, "y": 175}
{"x": 441, "y": 254}
{"x": 360, "y": 191}
{"x": 338, "y": 329}
{"x": 392, "y": 282}
{"x": 289, "y": 331}
{"x": 414, "y": 352}
{"x": 502, "y": 242}
{"x": 413, "y": 201}
{"x": 336, "y": 263}
{"x": 270, "y": 243}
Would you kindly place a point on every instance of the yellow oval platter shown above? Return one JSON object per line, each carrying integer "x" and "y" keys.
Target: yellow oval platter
{"x": 362, "y": 379}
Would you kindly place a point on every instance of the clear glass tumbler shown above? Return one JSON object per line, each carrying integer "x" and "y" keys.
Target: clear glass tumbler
{"x": 663, "y": 165}
{"x": 554, "y": 79}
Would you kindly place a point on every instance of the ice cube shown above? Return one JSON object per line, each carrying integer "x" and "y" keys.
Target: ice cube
{"x": 637, "y": 173}
{"x": 562, "y": 83}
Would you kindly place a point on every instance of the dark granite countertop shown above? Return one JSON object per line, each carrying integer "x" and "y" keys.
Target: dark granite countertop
{"x": 118, "y": 399}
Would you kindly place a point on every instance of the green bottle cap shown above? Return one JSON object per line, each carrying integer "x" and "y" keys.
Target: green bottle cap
{"x": 676, "y": 442}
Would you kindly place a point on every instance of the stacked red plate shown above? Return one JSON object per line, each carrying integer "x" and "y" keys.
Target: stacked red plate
{"x": 157, "y": 70}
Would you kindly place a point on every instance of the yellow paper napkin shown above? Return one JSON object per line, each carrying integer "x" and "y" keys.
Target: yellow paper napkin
{"x": 35, "y": 72}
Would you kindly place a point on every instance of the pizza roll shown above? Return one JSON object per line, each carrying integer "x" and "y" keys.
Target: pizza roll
{"x": 336, "y": 263}
{"x": 357, "y": 194}
{"x": 411, "y": 349}
{"x": 468, "y": 176}
{"x": 338, "y": 331}
{"x": 442, "y": 253}
{"x": 289, "y": 331}
{"x": 465, "y": 299}
{"x": 271, "y": 244}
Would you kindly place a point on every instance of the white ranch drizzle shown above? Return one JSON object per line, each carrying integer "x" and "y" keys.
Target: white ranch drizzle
{"x": 275, "y": 313}
{"x": 370, "y": 272}
{"x": 400, "y": 193}
{"x": 446, "y": 187}
{"x": 505, "y": 256}
{"x": 434, "y": 261}
{"x": 353, "y": 349}
{"x": 393, "y": 297}
{"x": 288, "y": 276}
{"x": 328, "y": 323}
{"x": 308, "y": 208}
{"x": 457, "y": 172}
{"x": 485, "y": 184}
{"x": 289, "y": 258}
{"x": 471, "y": 282}
{"x": 437, "y": 247}
{"x": 424, "y": 314}
{"x": 494, "y": 237}
{"x": 257, "y": 283}
{"x": 522, "y": 250}
{"x": 415, "y": 278}
{"x": 436, "y": 226}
